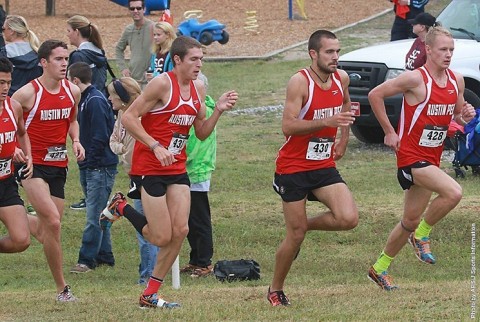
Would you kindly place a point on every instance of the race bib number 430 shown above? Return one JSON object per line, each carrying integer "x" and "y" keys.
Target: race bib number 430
{"x": 433, "y": 136}
{"x": 319, "y": 148}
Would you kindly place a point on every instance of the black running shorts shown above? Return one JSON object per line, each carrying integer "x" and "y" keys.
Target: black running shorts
{"x": 9, "y": 193}
{"x": 297, "y": 186}
{"x": 404, "y": 175}
{"x": 156, "y": 186}
{"x": 55, "y": 177}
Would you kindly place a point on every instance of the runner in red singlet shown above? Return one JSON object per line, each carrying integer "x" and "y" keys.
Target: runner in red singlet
{"x": 432, "y": 96}
{"x": 317, "y": 104}
{"x": 50, "y": 110}
{"x": 169, "y": 106}
{"x": 12, "y": 131}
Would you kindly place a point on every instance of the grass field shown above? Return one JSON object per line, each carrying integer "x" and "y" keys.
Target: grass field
{"x": 328, "y": 280}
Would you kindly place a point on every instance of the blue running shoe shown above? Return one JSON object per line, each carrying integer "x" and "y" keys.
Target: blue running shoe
{"x": 383, "y": 280}
{"x": 422, "y": 249}
{"x": 153, "y": 301}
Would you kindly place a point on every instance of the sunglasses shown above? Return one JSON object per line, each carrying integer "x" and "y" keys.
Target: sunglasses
{"x": 135, "y": 8}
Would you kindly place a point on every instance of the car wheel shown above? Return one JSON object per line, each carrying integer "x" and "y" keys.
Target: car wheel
{"x": 206, "y": 38}
{"x": 368, "y": 134}
{"x": 471, "y": 98}
{"x": 225, "y": 38}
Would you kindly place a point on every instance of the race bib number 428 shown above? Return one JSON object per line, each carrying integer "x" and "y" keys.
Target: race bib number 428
{"x": 433, "y": 136}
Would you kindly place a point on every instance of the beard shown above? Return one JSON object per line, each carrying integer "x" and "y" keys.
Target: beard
{"x": 327, "y": 69}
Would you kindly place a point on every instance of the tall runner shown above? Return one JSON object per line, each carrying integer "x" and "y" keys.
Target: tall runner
{"x": 12, "y": 131}
{"x": 169, "y": 106}
{"x": 432, "y": 96}
{"x": 50, "y": 111}
{"x": 317, "y": 104}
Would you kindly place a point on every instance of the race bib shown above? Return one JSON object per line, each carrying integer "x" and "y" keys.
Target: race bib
{"x": 319, "y": 148}
{"x": 5, "y": 167}
{"x": 56, "y": 153}
{"x": 177, "y": 143}
{"x": 433, "y": 136}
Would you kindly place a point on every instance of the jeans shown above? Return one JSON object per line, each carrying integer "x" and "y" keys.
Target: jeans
{"x": 96, "y": 246}
{"x": 148, "y": 252}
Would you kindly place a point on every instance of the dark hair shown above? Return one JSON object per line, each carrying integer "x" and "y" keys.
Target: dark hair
{"x": 6, "y": 65}
{"x": 46, "y": 48}
{"x": 143, "y": 2}
{"x": 181, "y": 45}
{"x": 82, "y": 71}
{"x": 316, "y": 38}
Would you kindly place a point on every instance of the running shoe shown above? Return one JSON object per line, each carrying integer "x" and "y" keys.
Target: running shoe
{"x": 383, "y": 280}
{"x": 277, "y": 298}
{"x": 110, "y": 213}
{"x": 153, "y": 301}
{"x": 422, "y": 249}
{"x": 66, "y": 295}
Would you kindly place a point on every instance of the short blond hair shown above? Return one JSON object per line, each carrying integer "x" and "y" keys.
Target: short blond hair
{"x": 435, "y": 31}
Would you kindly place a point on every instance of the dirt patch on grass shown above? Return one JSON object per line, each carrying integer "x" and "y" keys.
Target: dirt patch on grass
{"x": 274, "y": 31}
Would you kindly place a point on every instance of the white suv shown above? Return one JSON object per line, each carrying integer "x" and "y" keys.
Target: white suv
{"x": 370, "y": 66}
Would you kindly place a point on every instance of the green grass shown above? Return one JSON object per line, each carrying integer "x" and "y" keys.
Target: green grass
{"x": 328, "y": 280}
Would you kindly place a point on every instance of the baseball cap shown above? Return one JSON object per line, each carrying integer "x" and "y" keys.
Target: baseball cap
{"x": 423, "y": 18}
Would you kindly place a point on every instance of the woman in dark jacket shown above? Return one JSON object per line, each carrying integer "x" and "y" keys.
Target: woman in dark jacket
{"x": 21, "y": 49}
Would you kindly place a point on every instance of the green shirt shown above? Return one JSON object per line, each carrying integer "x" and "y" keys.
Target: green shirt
{"x": 202, "y": 155}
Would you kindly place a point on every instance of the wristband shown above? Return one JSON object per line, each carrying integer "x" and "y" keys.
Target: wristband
{"x": 76, "y": 141}
{"x": 462, "y": 120}
{"x": 155, "y": 145}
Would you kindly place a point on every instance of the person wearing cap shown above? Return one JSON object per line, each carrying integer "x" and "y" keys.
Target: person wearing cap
{"x": 405, "y": 10}
{"x": 416, "y": 56}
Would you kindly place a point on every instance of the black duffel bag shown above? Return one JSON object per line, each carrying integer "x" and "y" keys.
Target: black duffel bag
{"x": 237, "y": 270}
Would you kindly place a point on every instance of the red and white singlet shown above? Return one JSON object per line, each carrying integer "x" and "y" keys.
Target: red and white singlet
{"x": 423, "y": 127}
{"x": 169, "y": 125}
{"x": 48, "y": 122}
{"x": 313, "y": 151}
{"x": 8, "y": 139}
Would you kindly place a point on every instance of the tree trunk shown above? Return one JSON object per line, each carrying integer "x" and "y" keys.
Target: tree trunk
{"x": 50, "y": 8}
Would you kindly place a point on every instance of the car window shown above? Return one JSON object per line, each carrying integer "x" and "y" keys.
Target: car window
{"x": 462, "y": 14}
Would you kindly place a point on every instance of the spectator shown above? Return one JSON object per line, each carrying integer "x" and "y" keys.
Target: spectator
{"x": 160, "y": 61}
{"x": 201, "y": 157}
{"x": 97, "y": 170}
{"x": 21, "y": 49}
{"x": 405, "y": 10}
{"x": 138, "y": 36}
{"x": 86, "y": 37}
{"x": 123, "y": 92}
{"x": 417, "y": 56}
